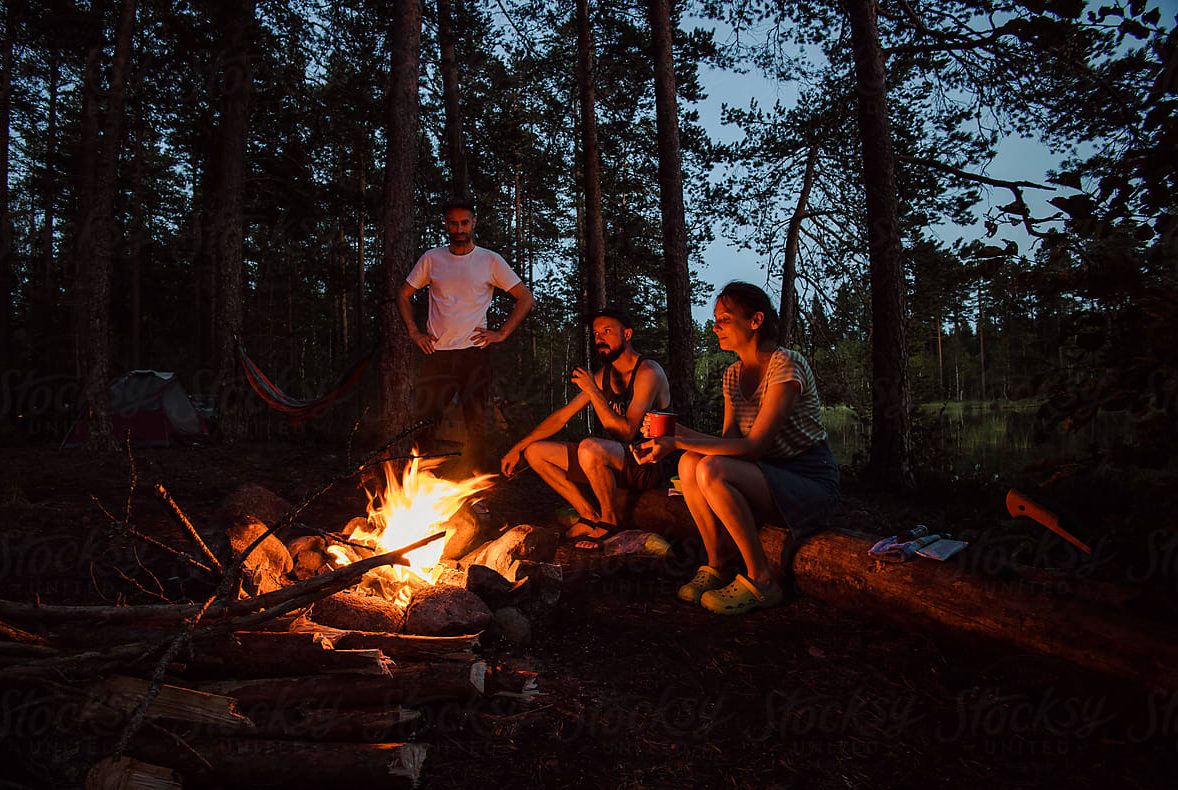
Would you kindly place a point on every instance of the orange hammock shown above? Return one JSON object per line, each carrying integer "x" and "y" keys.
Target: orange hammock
{"x": 297, "y": 410}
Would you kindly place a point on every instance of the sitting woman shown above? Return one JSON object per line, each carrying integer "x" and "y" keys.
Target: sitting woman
{"x": 772, "y": 463}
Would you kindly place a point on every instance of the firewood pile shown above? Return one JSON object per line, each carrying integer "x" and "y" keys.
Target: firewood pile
{"x": 290, "y": 671}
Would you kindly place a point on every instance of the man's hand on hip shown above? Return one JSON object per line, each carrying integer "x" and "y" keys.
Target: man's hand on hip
{"x": 423, "y": 341}
{"x": 484, "y": 337}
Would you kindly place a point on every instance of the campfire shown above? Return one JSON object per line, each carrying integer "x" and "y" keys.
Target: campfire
{"x": 312, "y": 665}
{"x": 405, "y": 509}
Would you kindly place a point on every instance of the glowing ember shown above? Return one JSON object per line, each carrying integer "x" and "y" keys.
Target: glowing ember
{"x": 405, "y": 510}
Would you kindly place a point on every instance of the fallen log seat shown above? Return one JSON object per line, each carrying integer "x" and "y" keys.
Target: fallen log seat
{"x": 1064, "y": 620}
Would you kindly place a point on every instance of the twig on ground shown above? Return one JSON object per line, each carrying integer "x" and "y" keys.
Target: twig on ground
{"x": 132, "y": 478}
{"x": 186, "y": 524}
{"x": 183, "y": 556}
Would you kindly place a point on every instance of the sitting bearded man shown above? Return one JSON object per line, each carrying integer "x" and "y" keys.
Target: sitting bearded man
{"x": 621, "y": 392}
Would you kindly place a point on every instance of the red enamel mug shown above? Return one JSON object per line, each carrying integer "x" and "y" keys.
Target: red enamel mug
{"x": 662, "y": 423}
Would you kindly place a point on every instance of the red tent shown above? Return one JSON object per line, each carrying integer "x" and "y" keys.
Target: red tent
{"x": 153, "y": 407}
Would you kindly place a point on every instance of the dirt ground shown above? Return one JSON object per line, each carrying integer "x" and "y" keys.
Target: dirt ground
{"x": 637, "y": 689}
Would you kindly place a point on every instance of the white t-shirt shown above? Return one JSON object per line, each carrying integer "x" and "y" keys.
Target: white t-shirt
{"x": 460, "y": 290}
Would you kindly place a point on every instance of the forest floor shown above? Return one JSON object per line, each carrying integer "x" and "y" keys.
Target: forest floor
{"x": 637, "y": 689}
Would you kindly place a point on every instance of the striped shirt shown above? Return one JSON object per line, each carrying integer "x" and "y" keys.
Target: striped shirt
{"x": 802, "y": 428}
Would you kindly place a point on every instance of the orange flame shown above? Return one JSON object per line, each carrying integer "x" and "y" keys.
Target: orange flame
{"x": 405, "y": 509}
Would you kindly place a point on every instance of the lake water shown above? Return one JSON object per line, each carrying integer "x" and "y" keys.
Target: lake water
{"x": 971, "y": 437}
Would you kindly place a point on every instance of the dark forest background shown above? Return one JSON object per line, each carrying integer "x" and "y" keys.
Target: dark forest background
{"x": 178, "y": 173}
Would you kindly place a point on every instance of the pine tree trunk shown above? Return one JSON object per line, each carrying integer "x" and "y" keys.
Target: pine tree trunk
{"x": 591, "y": 163}
{"x": 7, "y": 279}
{"x": 229, "y": 217}
{"x": 459, "y": 175}
{"x": 87, "y": 163}
{"x": 397, "y": 355}
{"x": 361, "y": 269}
{"x": 339, "y": 254}
{"x": 204, "y": 291}
{"x": 789, "y": 268}
{"x": 48, "y": 200}
{"x": 981, "y": 344}
{"x": 99, "y": 250}
{"x": 891, "y": 444}
{"x": 940, "y": 358}
{"x": 138, "y": 246}
{"x": 681, "y": 351}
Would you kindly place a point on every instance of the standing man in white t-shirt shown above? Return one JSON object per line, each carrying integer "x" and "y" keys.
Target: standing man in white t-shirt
{"x": 462, "y": 278}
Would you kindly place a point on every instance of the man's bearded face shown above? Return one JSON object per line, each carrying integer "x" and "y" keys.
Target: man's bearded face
{"x": 609, "y": 339}
{"x": 460, "y": 224}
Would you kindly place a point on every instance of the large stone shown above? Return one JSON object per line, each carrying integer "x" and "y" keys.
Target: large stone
{"x": 523, "y": 542}
{"x": 356, "y": 612}
{"x": 513, "y": 625}
{"x": 465, "y": 532}
{"x": 267, "y": 566}
{"x": 253, "y": 500}
{"x": 446, "y": 611}
{"x": 544, "y": 581}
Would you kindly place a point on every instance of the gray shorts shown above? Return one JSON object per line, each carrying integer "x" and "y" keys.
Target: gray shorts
{"x": 805, "y": 487}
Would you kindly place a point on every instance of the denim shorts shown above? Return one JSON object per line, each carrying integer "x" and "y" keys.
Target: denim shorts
{"x": 805, "y": 487}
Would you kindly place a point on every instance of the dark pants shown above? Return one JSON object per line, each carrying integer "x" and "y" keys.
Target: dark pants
{"x": 444, "y": 374}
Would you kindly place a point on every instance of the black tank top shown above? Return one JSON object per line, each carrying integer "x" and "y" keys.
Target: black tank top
{"x": 619, "y": 402}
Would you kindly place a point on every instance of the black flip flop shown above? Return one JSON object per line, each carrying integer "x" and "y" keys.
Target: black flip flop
{"x": 566, "y": 538}
{"x": 597, "y": 541}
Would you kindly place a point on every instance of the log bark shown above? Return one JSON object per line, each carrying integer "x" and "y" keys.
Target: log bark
{"x": 409, "y": 684}
{"x": 119, "y": 773}
{"x": 1092, "y": 625}
{"x": 834, "y": 567}
{"x": 120, "y": 696}
{"x": 10, "y": 633}
{"x": 330, "y": 723}
{"x": 245, "y": 654}
{"x": 242, "y": 761}
{"x": 396, "y": 646}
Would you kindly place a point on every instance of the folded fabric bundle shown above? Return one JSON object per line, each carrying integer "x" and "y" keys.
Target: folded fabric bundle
{"x": 889, "y": 550}
{"x": 637, "y": 542}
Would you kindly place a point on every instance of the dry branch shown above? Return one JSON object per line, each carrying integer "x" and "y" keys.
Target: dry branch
{"x": 396, "y": 646}
{"x": 274, "y": 603}
{"x": 408, "y": 684}
{"x": 242, "y": 761}
{"x": 186, "y": 524}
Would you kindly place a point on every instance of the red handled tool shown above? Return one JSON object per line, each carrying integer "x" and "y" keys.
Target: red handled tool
{"x": 1019, "y": 504}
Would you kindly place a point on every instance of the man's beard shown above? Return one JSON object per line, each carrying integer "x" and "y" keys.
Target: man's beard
{"x": 606, "y": 354}
{"x": 459, "y": 238}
